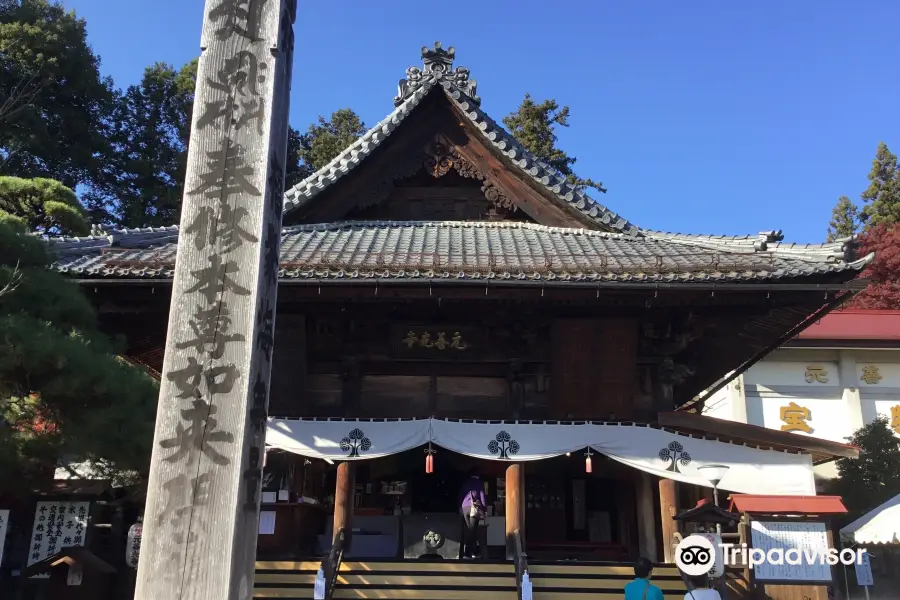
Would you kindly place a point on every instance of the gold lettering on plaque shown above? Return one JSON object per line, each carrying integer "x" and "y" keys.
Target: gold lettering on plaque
{"x": 795, "y": 418}
{"x": 437, "y": 340}
{"x": 871, "y": 375}
{"x": 816, "y": 373}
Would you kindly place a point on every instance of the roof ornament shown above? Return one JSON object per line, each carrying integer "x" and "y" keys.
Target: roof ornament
{"x": 767, "y": 237}
{"x": 849, "y": 248}
{"x": 437, "y": 67}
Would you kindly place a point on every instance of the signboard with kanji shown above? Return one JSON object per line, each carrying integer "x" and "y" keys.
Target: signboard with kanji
{"x": 809, "y": 538}
{"x": 57, "y": 524}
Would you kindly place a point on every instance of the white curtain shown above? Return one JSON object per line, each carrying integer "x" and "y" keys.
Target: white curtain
{"x": 678, "y": 457}
{"x": 347, "y": 439}
{"x": 662, "y": 453}
{"x": 521, "y": 441}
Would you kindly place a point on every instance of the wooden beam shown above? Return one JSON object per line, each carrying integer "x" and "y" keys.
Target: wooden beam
{"x": 756, "y": 434}
{"x": 535, "y": 204}
{"x": 515, "y": 508}
{"x": 202, "y": 509}
{"x": 668, "y": 508}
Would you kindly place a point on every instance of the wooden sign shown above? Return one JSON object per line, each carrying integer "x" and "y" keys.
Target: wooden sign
{"x": 438, "y": 342}
{"x": 200, "y": 521}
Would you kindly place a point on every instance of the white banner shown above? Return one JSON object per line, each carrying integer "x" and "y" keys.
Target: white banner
{"x": 57, "y": 525}
{"x": 521, "y": 441}
{"x": 656, "y": 451}
{"x": 679, "y": 457}
{"x": 349, "y": 439}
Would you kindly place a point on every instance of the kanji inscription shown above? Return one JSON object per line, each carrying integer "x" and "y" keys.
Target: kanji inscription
{"x": 206, "y": 469}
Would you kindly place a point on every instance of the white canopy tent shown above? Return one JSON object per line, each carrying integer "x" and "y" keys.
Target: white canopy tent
{"x": 657, "y": 451}
{"x": 878, "y": 526}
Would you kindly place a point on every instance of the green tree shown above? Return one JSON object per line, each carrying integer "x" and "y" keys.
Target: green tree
{"x": 142, "y": 182}
{"x": 534, "y": 126}
{"x": 882, "y": 197}
{"x": 42, "y": 205}
{"x": 844, "y": 220}
{"x": 54, "y": 105}
{"x": 63, "y": 390}
{"x": 327, "y": 138}
{"x": 870, "y": 480}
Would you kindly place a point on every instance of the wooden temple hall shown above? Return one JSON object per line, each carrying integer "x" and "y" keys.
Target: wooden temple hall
{"x": 449, "y": 304}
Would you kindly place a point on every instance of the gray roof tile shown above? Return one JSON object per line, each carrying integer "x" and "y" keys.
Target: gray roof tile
{"x": 464, "y": 251}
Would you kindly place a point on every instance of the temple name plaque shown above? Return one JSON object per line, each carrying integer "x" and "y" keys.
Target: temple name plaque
{"x": 809, "y": 538}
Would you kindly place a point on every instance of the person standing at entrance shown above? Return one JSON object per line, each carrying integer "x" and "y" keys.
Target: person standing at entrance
{"x": 472, "y": 505}
{"x": 641, "y": 588}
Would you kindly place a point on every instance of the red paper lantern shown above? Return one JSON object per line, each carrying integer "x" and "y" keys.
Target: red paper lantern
{"x": 429, "y": 459}
{"x": 587, "y": 464}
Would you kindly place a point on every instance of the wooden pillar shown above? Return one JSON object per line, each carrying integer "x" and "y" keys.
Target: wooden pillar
{"x": 202, "y": 509}
{"x": 646, "y": 516}
{"x": 668, "y": 508}
{"x": 515, "y": 506}
{"x": 343, "y": 502}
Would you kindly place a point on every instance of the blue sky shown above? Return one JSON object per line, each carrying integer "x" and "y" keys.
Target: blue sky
{"x": 700, "y": 116}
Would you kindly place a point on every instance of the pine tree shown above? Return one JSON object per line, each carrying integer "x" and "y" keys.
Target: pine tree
{"x": 844, "y": 219}
{"x": 41, "y": 205}
{"x": 533, "y": 125}
{"x": 64, "y": 392}
{"x": 882, "y": 197}
{"x": 328, "y": 137}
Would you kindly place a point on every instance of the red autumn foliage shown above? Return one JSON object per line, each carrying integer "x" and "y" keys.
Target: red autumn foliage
{"x": 883, "y": 291}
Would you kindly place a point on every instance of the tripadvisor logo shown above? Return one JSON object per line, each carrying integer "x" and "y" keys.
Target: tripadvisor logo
{"x": 696, "y": 555}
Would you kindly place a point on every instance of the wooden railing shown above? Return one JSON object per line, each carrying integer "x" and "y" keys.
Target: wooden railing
{"x": 521, "y": 561}
{"x": 332, "y": 565}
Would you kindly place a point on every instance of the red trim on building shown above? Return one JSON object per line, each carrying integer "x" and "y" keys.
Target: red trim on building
{"x": 807, "y": 505}
{"x": 856, "y": 325}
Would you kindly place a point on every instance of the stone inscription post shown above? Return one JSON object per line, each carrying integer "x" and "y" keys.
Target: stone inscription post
{"x": 201, "y": 516}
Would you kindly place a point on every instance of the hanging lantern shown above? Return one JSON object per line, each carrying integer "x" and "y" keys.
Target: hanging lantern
{"x": 429, "y": 459}
{"x": 587, "y": 462}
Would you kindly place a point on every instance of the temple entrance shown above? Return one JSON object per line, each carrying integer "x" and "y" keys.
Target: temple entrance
{"x": 402, "y": 512}
{"x": 574, "y": 515}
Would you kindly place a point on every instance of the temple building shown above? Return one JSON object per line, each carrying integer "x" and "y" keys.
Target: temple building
{"x": 449, "y": 304}
{"x": 829, "y": 381}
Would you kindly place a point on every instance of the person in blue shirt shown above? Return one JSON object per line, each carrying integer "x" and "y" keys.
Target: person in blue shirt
{"x": 641, "y": 588}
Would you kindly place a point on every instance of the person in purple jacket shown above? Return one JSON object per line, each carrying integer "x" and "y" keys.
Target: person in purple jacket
{"x": 472, "y": 505}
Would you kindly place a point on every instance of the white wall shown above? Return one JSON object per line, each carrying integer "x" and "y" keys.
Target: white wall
{"x": 842, "y": 390}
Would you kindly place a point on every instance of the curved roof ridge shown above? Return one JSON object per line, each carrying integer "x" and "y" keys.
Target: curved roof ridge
{"x": 460, "y": 90}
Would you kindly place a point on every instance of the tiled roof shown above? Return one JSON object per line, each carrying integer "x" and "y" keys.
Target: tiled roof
{"x": 462, "y": 251}
{"x": 460, "y": 90}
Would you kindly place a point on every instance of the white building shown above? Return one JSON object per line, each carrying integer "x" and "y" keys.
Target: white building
{"x": 826, "y": 383}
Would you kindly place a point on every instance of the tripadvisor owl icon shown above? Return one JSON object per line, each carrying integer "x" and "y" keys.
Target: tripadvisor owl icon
{"x": 695, "y": 555}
